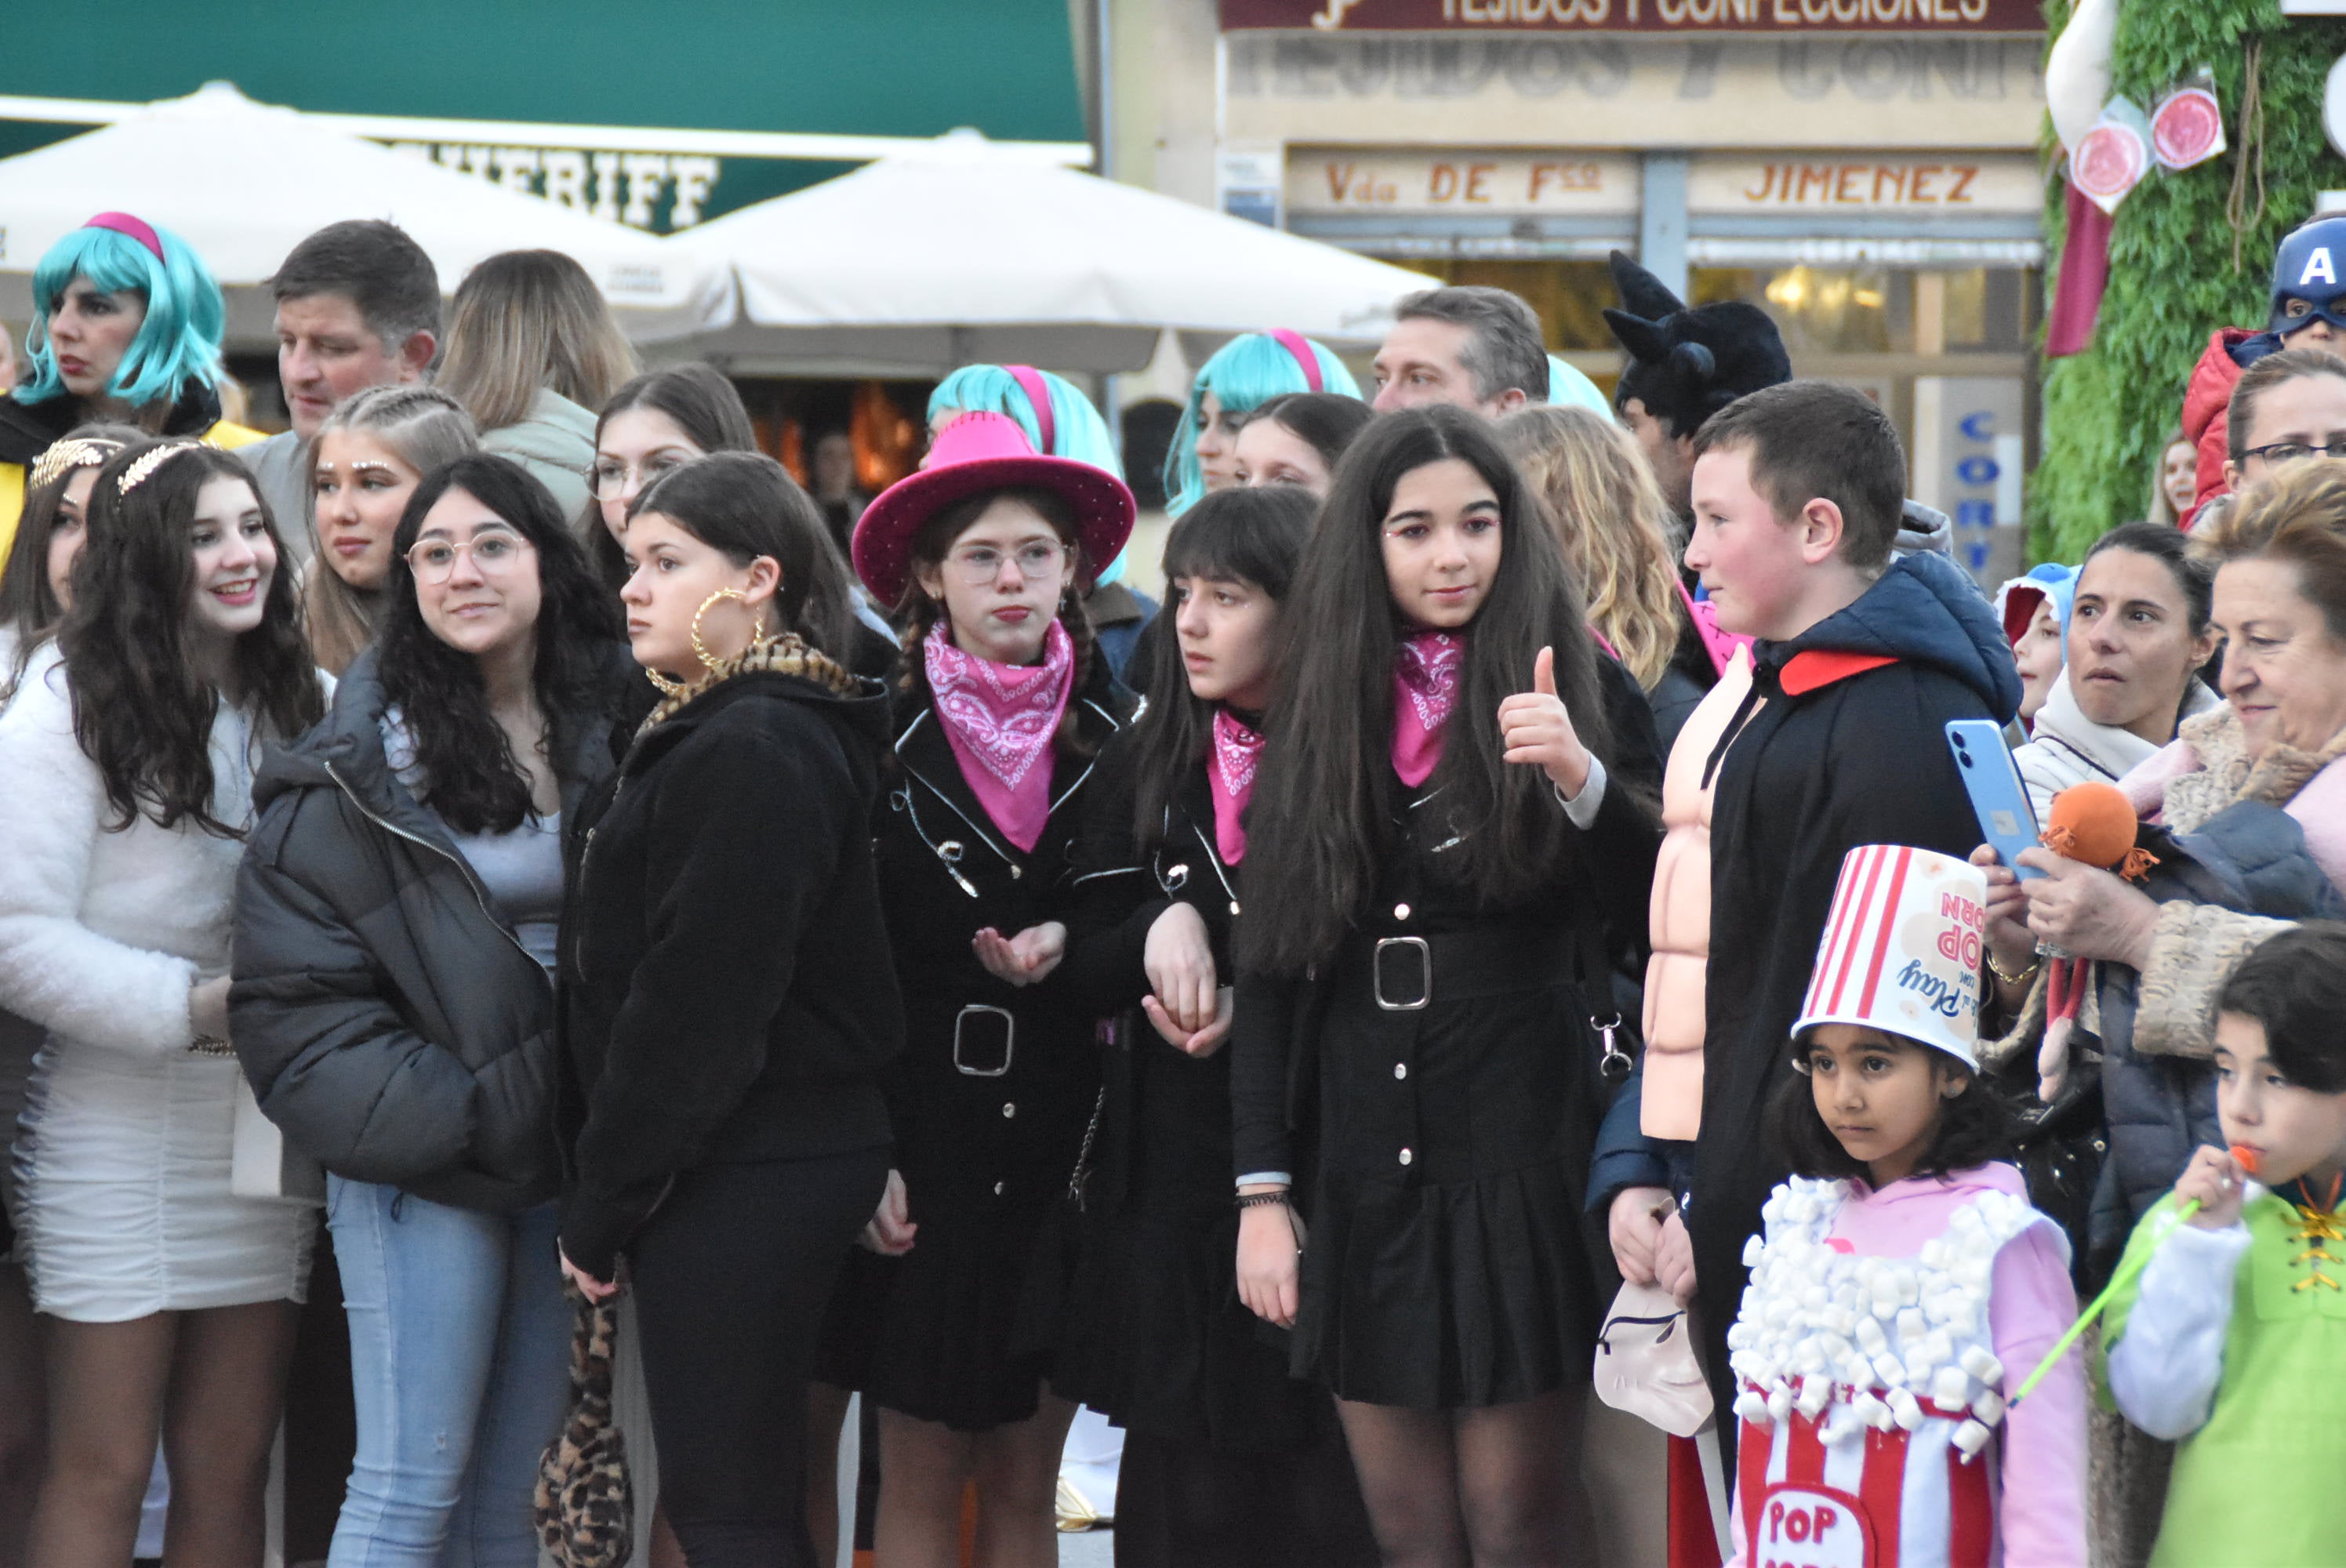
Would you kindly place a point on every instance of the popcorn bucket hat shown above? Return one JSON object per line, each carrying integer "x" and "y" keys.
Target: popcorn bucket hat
{"x": 1902, "y": 949}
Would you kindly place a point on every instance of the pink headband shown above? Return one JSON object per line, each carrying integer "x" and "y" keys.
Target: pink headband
{"x": 137, "y": 228}
{"x": 1038, "y": 397}
{"x": 1299, "y": 345}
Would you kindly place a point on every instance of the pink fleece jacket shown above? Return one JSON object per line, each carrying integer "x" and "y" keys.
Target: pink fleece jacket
{"x": 2041, "y": 1519}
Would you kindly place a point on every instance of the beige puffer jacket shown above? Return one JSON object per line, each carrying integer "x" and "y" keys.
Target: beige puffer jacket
{"x": 1671, "y": 1106}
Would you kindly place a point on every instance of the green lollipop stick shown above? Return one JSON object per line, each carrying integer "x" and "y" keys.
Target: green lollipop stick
{"x": 2125, "y": 1276}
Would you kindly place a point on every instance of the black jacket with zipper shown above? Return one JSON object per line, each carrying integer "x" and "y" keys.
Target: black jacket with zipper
{"x": 390, "y": 1023}
{"x": 727, "y": 990}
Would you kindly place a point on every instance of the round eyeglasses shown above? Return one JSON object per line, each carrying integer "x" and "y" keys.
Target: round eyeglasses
{"x": 434, "y": 560}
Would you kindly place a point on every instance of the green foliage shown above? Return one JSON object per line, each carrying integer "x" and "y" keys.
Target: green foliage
{"x": 2172, "y": 279}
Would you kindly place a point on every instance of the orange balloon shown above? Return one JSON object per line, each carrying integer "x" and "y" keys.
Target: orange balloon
{"x": 2093, "y": 823}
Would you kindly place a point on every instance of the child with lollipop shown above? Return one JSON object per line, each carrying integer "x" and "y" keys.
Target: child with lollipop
{"x": 2232, "y": 1340}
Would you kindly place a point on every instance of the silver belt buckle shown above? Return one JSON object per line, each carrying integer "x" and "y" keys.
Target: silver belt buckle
{"x": 1009, "y": 1041}
{"x": 1425, "y": 970}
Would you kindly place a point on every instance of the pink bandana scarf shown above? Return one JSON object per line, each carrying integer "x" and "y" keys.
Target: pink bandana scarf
{"x": 1427, "y": 667}
{"x": 999, "y": 719}
{"x": 1237, "y": 749}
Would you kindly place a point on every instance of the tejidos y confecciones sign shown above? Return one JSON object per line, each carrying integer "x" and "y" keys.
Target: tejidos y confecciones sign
{"x": 1665, "y": 17}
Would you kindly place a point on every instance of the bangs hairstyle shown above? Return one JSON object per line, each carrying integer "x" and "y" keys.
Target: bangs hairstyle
{"x": 29, "y": 609}
{"x": 1613, "y": 524}
{"x": 2171, "y": 548}
{"x": 2294, "y": 984}
{"x": 1320, "y": 824}
{"x": 2297, "y": 515}
{"x": 177, "y": 344}
{"x": 919, "y": 614}
{"x": 1244, "y": 373}
{"x": 425, "y": 428}
{"x": 2286, "y": 365}
{"x": 141, "y": 712}
{"x": 1811, "y": 439}
{"x": 1253, "y": 535}
{"x": 473, "y": 779}
{"x": 524, "y": 320}
{"x": 744, "y": 504}
{"x": 1078, "y": 431}
{"x": 1327, "y": 422}
{"x": 1975, "y": 1126}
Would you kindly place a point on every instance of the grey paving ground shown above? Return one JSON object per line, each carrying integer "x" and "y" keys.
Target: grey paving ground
{"x": 1091, "y": 1548}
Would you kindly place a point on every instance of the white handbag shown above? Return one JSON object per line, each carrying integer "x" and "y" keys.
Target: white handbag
{"x": 261, "y": 1164}
{"x": 1646, "y": 1363}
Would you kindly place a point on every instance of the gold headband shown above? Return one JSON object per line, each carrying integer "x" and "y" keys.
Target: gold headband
{"x": 64, "y": 457}
{"x": 144, "y": 468}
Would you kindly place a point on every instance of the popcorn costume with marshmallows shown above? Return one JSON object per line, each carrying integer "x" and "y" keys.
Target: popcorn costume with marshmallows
{"x": 1881, "y": 1329}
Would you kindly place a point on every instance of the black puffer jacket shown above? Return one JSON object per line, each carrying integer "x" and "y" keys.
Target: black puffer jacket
{"x": 390, "y": 1023}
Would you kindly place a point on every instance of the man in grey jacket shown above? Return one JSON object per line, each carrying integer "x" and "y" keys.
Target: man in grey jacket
{"x": 358, "y": 305}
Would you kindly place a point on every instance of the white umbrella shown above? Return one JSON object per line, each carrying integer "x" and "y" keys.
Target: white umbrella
{"x": 949, "y": 256}
{"x": 243, "y": 182}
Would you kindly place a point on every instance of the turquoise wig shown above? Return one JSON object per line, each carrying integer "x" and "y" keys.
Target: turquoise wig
{"x": 179, "y": 342}
{"x": 1250, "y": 370}
{"x": 1567, "y": 387}
{"x": 1078, "y": 431}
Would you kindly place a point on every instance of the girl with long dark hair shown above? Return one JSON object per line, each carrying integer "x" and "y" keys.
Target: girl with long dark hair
{"x": 727, "y": 996}
{"x": 127, "y": 758}
{"x": 1453, "y": 838}
{"x": 985, "y": 553}
{"x": 396, "y": 921}
{"x": 658, "y": 422}
{"x": 1227, "y": 1459}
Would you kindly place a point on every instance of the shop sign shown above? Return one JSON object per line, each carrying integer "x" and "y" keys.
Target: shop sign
{"x": 1886, "y": 94}
{"x": 1342, "y": 179}
{"x": 1986, "y": 184}
{"x": 1968, "y": 460}
{"x": 1685, "y": 17}
{"x": 641, "y": 189}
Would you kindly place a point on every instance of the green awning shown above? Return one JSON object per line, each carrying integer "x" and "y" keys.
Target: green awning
{"x": 886, "y": 67}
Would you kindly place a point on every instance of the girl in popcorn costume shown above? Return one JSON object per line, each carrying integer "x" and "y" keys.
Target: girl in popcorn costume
{"x": 1903, "y": 1286}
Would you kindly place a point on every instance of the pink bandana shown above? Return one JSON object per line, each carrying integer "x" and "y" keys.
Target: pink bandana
{"x": 1000, "y": 718}
{"x": 1237, "y": 749}
{"x": 1425, "y": 688}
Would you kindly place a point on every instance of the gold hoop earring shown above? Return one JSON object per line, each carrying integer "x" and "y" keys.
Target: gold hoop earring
{"x": 700, "y": 649}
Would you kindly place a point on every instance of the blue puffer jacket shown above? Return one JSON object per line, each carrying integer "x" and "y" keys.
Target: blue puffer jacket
{"x": 2251, "y": 856}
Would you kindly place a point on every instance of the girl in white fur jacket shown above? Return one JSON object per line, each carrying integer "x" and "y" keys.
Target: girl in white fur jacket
{"x": 126, "y": 761}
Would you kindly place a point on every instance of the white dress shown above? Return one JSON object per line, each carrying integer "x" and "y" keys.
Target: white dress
{"x": 123, "y": 1149}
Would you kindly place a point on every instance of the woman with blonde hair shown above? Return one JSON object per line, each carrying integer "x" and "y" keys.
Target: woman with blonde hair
{"x": 532, "y": 351}
{"x": 373, "y": 452}
{"x": 1616, "y": 535}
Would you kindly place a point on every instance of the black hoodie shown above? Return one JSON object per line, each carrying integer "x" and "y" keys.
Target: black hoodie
{"x": 728, "y": 994}
{"x": 1842, "y": 743}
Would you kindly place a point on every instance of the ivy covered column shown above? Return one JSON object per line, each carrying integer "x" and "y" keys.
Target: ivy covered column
{"x": 2189, "y": 252}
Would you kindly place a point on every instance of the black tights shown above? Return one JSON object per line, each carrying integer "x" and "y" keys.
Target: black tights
{"x": 731, "y": 1280}
{"x": 1182, "y": 1504}
{"x": 1495, "y": 1488}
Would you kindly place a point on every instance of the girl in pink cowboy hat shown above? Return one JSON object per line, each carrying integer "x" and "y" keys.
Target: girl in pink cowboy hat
{"x": 983, "y": 555}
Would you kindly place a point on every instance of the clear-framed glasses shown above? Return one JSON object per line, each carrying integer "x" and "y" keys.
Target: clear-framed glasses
{"x": 2290, "y": 451}
{"x": 982, "y": 563}
{"x": 611, "y": 479}
{"x": 434, "y": 560}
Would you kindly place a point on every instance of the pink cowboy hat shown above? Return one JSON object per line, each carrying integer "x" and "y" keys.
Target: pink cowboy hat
{"x": 977, "y": 453}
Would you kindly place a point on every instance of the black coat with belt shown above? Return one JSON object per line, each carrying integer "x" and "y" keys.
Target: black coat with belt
{"x": 998, "y": 1081}
{"x": 726, "y": 991}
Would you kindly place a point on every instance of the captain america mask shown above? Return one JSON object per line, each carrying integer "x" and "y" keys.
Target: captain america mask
{"x": 2307, "y": 273}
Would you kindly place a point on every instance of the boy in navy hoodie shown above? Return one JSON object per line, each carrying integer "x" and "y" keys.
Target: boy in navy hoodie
{"x": 1858, "y": 666}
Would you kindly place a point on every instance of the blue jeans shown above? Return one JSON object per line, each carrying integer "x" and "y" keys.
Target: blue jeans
{"x": 460, "y": 1360}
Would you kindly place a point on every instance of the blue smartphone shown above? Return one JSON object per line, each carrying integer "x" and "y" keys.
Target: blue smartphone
{"x": 1999, "y": 799}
